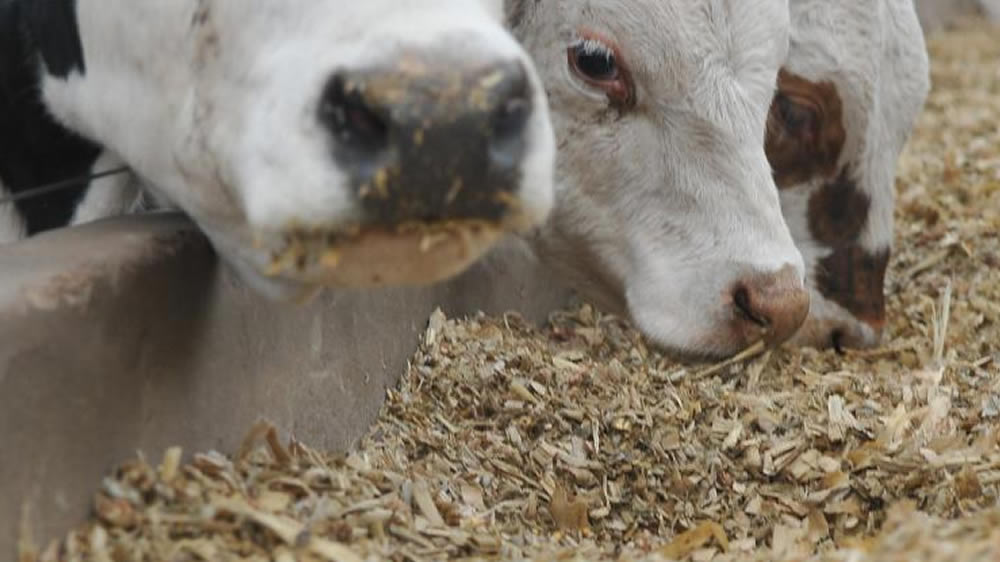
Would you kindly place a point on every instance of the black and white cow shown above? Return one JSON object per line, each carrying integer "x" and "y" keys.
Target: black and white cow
{"x": 34, "y": 150}
{"x": 316, "y": 142}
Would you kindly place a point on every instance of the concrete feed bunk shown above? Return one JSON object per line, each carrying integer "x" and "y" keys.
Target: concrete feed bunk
{"x": 126, "y": 335}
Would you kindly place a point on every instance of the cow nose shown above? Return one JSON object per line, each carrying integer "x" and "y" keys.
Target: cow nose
{"x": 357, "y": 124}
{"x": 770, "y": 306}
{"x": 430, "y": 141}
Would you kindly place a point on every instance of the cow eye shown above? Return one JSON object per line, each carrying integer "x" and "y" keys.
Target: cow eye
{"x": 797, "y": 118}
{"x": 593, "y": 61}
{"x": 598, "y": 66}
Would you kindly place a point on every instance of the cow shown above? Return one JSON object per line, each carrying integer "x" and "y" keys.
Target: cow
{"x": 666, "y": 208}
{"x": 315, "y": 142}
{"x": 849, "y": 94}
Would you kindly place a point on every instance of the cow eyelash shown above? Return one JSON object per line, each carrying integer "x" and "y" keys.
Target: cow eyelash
{"x": 593, "y": 60}
{"x": 593, "y": 47}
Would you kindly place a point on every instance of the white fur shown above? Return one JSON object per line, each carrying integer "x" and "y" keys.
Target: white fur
{"x": 219, "y": 118}
{"x": 108, "y": 196}
{"x": 663, "y": 208}
{"x": 873, "y": 51}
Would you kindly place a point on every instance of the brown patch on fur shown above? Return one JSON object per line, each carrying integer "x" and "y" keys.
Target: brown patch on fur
{"x": 851, "y": 276}
{"x": 838, "y": 211}
{"x": 854, "y": 279}
{"x": 805, "y": 130}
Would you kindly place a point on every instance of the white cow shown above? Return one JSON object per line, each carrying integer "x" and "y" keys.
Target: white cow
{"x": 316, "y": 142}
{"x": 666, "y": 207}
{"x": 849, "y": 94}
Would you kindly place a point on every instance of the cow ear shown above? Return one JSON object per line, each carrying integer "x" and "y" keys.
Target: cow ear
{"x": 516, "y": 11}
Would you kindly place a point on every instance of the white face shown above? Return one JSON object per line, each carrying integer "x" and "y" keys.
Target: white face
{"x": 667, "y": 209}
{"x": 278, "y": 125}
{"x": 856, "y": 78}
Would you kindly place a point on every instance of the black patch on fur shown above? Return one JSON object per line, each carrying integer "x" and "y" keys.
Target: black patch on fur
{"x": 34, "y": 149}
{"x": 54, "y": 33}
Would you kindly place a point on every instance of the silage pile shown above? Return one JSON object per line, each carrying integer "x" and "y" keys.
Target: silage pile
{"x": 575, "y": 441}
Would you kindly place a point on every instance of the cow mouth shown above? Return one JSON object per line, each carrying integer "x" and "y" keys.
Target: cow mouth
{"x": 409, "y": 254}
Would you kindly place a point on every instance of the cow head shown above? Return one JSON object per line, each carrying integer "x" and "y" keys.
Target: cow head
{"x": 666, "y": 208}
{"x": 848, "y": 96}
{"x": 316, "y": 142}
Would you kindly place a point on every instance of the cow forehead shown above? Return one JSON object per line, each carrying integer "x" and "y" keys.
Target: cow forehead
{"x": 714, "y": 59}
{"x": 245, "y": 28}
{"x": 839, "y": 45}
{"x": 839, "y": 42}
{"x": 680, "y": 35}
{"x": 871, "y": 56}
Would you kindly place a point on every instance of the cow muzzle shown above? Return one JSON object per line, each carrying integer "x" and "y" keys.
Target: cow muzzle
{"x": 769, "y": 306}
{"x": 429, "y": 143}
{"x": 433, "y": 153}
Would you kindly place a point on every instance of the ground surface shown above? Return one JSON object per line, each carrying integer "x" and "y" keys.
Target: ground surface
{"x": 576, "y": 442}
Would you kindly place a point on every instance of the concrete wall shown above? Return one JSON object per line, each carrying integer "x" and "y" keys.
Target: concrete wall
{"x": 126, "y": 335}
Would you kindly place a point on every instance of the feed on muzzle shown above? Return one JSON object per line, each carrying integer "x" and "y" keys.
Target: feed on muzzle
{"x": 411, "y": 254}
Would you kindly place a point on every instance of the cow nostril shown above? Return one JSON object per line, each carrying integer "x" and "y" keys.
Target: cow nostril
{"x": 742, "y": 300}
{"x": 345, "y": 112}
{"x": 510, "y": 118}
{"x": 773, "y": 305}
{"x": 837, "y": 341}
